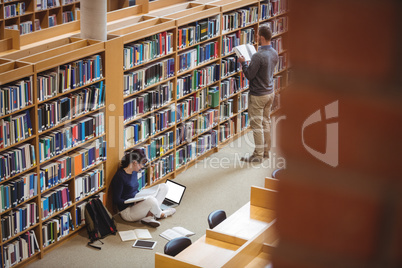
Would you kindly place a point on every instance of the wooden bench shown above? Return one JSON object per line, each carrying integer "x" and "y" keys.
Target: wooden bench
{"x": 244, "y": 239}
{"x": 215, "y": 249}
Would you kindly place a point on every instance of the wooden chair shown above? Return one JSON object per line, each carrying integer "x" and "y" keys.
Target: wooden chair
{"x": 176, "y": 245}
{"x": 216, "y": 217}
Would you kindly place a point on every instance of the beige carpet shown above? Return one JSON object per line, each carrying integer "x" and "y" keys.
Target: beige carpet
{"x": 221, "y": 181}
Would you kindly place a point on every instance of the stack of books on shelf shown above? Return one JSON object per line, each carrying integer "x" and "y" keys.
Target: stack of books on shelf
{"x": 198, "y": 31}
{"x": 148, "y": 101}
{"x": 145, "y": 77}
{"x": 57, "y": 228}
{"x": 148, "y": 49}
{"x": 20, "y": 249}
{"x": 239, "y": 18}
{"x": 89, "y": 182}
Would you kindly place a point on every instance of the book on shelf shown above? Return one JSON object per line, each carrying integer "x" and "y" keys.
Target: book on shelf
{"x": 135, "y": 234}
{"x": 175, "y": 232}
{"x": 246, "y": 51}
{"x": 20, "y": 249}
{"x": 213, "y": 97}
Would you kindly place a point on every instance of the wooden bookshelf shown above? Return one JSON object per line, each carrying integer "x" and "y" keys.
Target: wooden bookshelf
{"x": 35, "y": 14}
{"x": 32, "y": 63}
{"x": 42, "y": 54}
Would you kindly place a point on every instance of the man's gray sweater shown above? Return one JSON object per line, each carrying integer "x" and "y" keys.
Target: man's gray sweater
{"x": 260, "y": 71}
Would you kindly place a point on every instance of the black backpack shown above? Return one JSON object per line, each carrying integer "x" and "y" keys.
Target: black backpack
{"x": 99, "y": 221}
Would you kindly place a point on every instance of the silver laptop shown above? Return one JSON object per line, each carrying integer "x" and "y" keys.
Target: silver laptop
{"x": 174, "y": 195}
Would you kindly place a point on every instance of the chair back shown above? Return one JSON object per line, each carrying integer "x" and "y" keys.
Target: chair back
{"x": 176, "y": 245}
{"x": 276, "y": 172}
{"x": 216, "y": 217}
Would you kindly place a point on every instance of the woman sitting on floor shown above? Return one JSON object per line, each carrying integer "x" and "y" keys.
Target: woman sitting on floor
{"x": 125, "y": 186}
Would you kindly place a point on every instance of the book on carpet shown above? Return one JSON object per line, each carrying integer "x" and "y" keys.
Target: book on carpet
{"x": 135, "y": 234}
{"x": 246, "y": 51}
{"x": 175, "y": 232}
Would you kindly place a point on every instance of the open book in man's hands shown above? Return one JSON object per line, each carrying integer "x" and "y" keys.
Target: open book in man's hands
{"x": 246, "y": 51}
{"x": 175, "y": 232}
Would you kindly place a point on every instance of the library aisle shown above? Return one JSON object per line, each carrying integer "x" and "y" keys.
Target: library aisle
{"x": 220, "y": 181}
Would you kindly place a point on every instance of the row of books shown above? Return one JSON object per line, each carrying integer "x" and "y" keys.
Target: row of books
{"x": 52, "y": 20}
{"x": 278, "y": 82}
{"x": 148, "y": 76}
{"x": 227, "y": 130}
{"x": 14, "y": 129}
{"x": 229, "y": 65}
{"x": 13, "y": 10}
{"x": 245, "y": 36}
{"x": 191, "y": 105}
{"x": 57, "y": 228}
{"x": 239, "y": 18}
{"x": 186, "y": 131}
{"x": 159, "y": 145}
{"x": 54, "y": 173}
{"x": 148, "y": 49}
{"x": 277, "y": 44}
{"x": 17, "y": 160}
{"x": 69, "y": 76}
{"x": 148, "y": 101}
{"x": 148, "y": 126}
{"x": 26, "y": 27}
{"x": 16, "y": 96}
{"x": 276, "y": 104}
{"x": 67, "y": 16}
{"x": 278, "y": 25}
{"x": 243, "y": 102}
{"x": 80, "y": 214}
{"x": 18, "y": 220}
{"x": 55, "y": 201}
{"x": 277, "y": 7}
{"x": 186, "y": 153}
{"x": 89, "y": 182}
{"x": 89, "y": 156}
{"x": 197, "y": 79}
{"x": 231, "y": 86}
{"x": 63, "y": 109}
{"x": 226, "y": 109}
{"x": 45, "y": 4}
{"x": 198, "y": 32}
{"x": 161, "y": 167}
{"x": 15, "y": 192}
{"x": 66, "y": 2}
{"x": 20, "y": 249}
{"x": 244, "y": 123}
{"x": 61, "y": 140}
{"x": 282, "y": 63}
{"x": 207, "y": 120}
{"x": 207, "y": 141}
{"x": 199, "y": 55}
{"x": 11, "y": 27}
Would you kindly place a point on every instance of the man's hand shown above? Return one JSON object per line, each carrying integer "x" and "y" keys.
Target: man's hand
{"x": 241, "y": 59}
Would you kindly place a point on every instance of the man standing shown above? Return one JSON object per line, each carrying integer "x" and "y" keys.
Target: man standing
{"x": 260, "y": 73}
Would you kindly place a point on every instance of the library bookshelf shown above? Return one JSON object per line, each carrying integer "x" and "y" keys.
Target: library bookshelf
{"x": 161, "y": 86}
{"x": 27, "y": 16}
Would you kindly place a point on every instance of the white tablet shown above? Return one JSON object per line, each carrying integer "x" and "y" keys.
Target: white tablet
{"x": 144, "y": 244}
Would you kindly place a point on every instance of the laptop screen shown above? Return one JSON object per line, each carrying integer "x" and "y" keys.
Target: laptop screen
{"x": 176, "y": 191}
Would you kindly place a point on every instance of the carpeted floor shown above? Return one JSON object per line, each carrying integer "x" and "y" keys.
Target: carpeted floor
{"x": 220, "y": 181}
